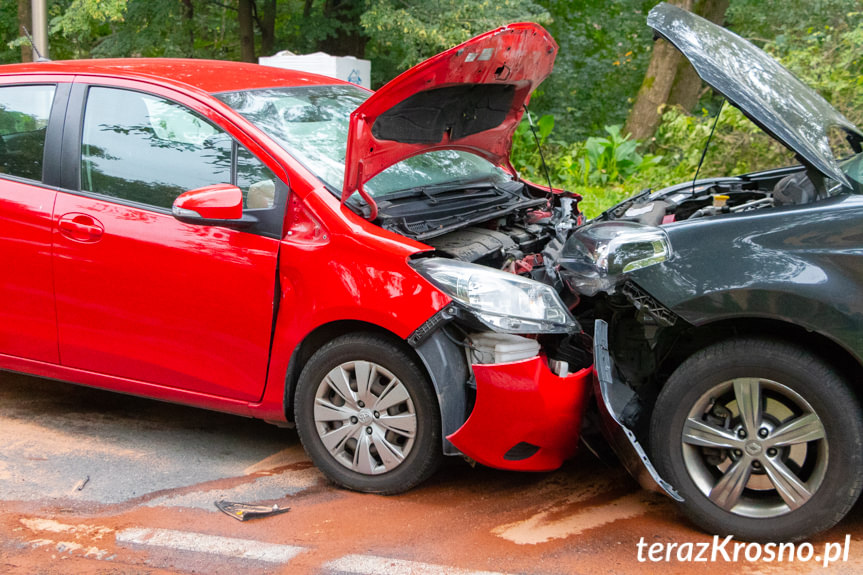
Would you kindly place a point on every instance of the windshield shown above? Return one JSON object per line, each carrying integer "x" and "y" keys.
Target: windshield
{"x": 311, "y": 123}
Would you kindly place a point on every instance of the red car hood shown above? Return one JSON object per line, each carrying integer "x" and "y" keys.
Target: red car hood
{"x": 470, "y": 97}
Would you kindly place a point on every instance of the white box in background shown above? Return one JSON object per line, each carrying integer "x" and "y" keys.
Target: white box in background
{"x": 345, "y": 68}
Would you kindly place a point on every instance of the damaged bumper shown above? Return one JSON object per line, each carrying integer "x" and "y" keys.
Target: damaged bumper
{"x": 612, "y": 396}
{"x": 525, "y": 417}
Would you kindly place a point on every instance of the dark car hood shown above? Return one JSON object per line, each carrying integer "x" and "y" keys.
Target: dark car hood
{"x": 470, "y": 97}
{"x": 760, "y": 87}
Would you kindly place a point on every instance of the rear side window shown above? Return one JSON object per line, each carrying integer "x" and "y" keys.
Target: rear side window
{"x": 149, "y": 150}
{"x": 24, "y": 112}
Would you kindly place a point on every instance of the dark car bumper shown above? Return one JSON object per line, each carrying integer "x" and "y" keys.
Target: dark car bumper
{"x": 612, "y": 397}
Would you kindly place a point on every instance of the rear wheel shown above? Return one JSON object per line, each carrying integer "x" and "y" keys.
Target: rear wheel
{"x": 761, "y": 438}
{"x": 367, "y": 416}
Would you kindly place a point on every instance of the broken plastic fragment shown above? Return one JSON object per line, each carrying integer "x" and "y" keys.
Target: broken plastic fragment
{"x": 243, "y": 511}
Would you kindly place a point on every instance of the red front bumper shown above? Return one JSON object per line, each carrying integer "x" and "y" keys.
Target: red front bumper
{"x": 525, "y": 418}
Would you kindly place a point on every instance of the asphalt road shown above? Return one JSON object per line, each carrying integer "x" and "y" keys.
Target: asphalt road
{"x": 95, "y": 482}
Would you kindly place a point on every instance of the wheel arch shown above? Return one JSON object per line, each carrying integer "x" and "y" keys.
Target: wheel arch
{"x": 328, "y": 332}
{"x": 441, "y": 361}
{"x": 698, "y": 337}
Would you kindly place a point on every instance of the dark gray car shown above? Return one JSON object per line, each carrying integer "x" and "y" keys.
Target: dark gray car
{"x": 729, "y": 313}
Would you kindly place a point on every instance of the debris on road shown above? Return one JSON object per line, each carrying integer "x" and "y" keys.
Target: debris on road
{"x": 243, "y": 511}
{"x": 80, "y": 485}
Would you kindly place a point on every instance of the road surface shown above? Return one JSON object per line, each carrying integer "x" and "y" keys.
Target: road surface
{"x": 96, "y": 482}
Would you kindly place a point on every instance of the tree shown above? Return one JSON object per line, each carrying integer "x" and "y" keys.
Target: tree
{"x": 267, "y": 24}
{"x": 25, "y": 19}
{"x": 669, "y": 79}
{"x": 687, "y": 86}
{"x": 189, "y": 25}
{"x": 350, "y": 40}
{"x": 247, "y": 32}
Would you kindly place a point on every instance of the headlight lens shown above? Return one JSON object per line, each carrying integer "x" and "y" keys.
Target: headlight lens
{"x": 596, "y": 255}
{"x": 502, "y": 301}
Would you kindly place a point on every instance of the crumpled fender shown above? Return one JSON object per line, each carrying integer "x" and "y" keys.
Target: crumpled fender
{"x": 610, "y": 393}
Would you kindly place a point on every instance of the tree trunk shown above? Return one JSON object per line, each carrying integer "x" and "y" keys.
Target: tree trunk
{"x": 25, "y": 18}
{"x": 267, "y": 23}
{"x": 247, "y": 31}
{"x": 687, "y": 85}
{"x": 656, "y": 87}
{"x": 189, "y": 24}
{"x": 349, "y": 40}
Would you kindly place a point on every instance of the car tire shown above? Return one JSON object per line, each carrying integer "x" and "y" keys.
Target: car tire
{"x": 701, "y": 440}
{"x": 367, "y": 416}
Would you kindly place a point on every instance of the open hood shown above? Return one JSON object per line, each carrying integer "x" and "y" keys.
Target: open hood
{"x": 759, "y": 86}
{"x": 470, "y": 97}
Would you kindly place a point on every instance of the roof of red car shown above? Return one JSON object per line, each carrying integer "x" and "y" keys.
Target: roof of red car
{"x": 208, "y": 75}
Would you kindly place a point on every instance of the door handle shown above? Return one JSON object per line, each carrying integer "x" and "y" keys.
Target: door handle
{"x": 80, "y": 227}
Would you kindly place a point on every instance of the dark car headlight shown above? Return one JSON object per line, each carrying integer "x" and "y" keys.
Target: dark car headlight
{"x": 597, "y": 255}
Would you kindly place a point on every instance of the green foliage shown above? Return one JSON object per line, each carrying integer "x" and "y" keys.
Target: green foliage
{"x": 9, "y": 52}
{"x": 604, "y": 51}
{"x": 78, "y": 17}
{"x": 302, "y": 34}
{"x": 210, "y": 33}
{"x": 763, "y": 20}
{"x": 828, "y": 58}
{"x": 738, "y": 146}
{"x": 405, "y": 32}
{"x": 599, "y": 168}
{"x": 612, "y": 158}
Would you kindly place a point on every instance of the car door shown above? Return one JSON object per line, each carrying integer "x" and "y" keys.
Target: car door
{"x": 31, "y": 115}
{"x": 141, "y": 295}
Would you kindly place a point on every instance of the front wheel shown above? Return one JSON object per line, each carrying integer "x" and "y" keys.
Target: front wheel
{"x": 762, "y": 439}
{"x": 367, "y": 416}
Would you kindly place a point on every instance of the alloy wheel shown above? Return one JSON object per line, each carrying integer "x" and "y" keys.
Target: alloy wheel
{"x": 755, "y": 447}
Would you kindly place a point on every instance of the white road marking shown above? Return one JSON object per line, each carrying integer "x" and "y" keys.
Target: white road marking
{"x": 248, "y": 549}
{"x": 202, "y": 543}
{"x": 371, "y": 565}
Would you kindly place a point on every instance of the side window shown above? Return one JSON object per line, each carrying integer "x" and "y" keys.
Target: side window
{"x": 255, "y": 180}
{"x": 24, "y": 112}
{"x": 149, "y": 150}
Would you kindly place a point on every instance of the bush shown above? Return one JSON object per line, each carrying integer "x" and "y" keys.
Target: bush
{"x": 599, "y": 168}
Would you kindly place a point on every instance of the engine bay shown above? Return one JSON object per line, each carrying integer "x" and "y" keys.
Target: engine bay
{"x": 523, "y": 230}
{"x": 707, "y": 198}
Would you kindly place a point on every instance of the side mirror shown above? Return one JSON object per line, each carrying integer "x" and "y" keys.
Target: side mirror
{"x": 220, "y": 202}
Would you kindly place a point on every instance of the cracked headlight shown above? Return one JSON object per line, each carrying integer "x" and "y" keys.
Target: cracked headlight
{"x": 596, "y": 255}
{"x": 502, "y": 301}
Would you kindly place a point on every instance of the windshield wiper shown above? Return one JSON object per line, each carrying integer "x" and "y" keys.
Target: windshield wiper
{"x": 432, "y": 191}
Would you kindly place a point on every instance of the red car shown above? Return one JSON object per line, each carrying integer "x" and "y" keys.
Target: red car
{"x": 294, "y": 248}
